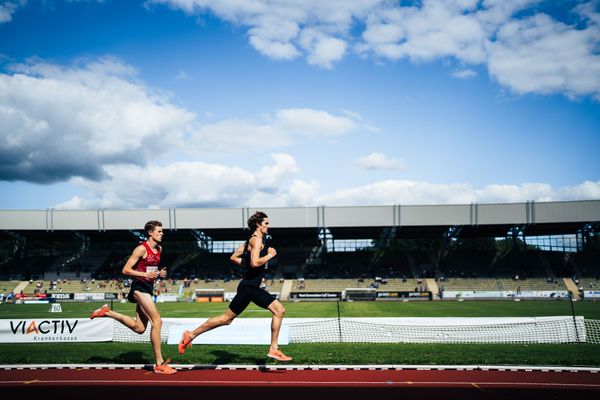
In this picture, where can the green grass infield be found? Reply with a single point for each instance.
(580, 354)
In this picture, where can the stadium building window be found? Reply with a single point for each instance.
(564, 243)
(225, 246)
(349, 245)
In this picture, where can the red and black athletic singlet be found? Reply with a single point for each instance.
(148, 264)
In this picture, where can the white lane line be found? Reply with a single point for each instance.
(306, 383)
(233, 367)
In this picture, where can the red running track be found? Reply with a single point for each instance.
(310, 382)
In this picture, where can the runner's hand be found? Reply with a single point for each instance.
(152, 274)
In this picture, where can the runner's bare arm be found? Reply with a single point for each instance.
(138, 252)
(255, 259)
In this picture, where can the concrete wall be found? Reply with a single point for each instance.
(300, 217)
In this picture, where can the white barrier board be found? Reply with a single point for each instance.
(53, 330)
(241, 331)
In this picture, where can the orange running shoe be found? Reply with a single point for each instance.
(278, 355)
(101, 312)
(165, 368)
(185, 342)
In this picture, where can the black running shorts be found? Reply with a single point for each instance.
(143, 287)
(246, 294)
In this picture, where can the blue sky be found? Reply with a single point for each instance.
(191, 103)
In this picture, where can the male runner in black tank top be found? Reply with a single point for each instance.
(253, 255)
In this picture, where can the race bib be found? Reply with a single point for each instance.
(152, 268)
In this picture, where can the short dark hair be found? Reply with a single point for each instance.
(256, 219)
(151, 226)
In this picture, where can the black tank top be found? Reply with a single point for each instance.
(253, 276)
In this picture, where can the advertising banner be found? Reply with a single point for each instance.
(166, 298)
(30, 296)
(316, 295)
(89, 296)
(405, 295)
(53, 330)
(61, 296)
(510, 294)
(591, 294)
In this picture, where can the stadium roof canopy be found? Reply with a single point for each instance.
(352, 222)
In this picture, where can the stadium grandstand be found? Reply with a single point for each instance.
(437, 252)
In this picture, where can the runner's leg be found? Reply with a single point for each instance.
(150, 312)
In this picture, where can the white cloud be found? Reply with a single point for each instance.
(303, 193)
(323, 50)
(284, 29)
(299, 194)
(380, 161)
(586, 190)
(198, 184)
(535, 54)
(540, 55)
(309, 122)
(514, 193)
(274, 36)
(399, 192)
(181, 75)
(274, 49)
(283, 128)
(437, 29)
(96, 120)
(8, 8)
(185, 184)
(419, 192)
(524, 49)
(269, 177)
(464, 73)
(235, 136)
(62, 122)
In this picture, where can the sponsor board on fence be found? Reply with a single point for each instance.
(228, 296)
(316, 295)
(166, 298)
(53, 330)
(89, 296)
(592, 294)
(486, 294)
(404, 295)
(541, 293)
(83, 296)
(30, 296)
(61, 296)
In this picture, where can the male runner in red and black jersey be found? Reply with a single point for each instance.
(254, 255)
(143, 266)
